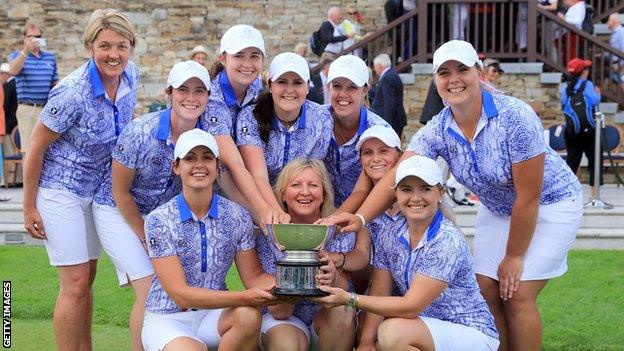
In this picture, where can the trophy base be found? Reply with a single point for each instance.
(299, 292)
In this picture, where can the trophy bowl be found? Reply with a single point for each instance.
(297, 270)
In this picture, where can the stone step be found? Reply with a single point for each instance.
(586, 239)
(592, 219)
(11, 213)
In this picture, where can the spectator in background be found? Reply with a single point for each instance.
(551, 28)
(319, 90)
(35, 74)
(332, 33)
(574, 15)
(580, 128)
(617, 41)
(199, 54)
(301, 49)
(3, 196)
(387, 99)
(162, 101)
(10, 106)
(353, 24)
(491, 71)
(393, 9)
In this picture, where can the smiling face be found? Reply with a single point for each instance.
(304, 196)
(189, 101)
(418, 200)
(289, 93)
(377, 158)
(111, 52)
(197, 169)
(457, 83)
(243, 67)
(346, 97)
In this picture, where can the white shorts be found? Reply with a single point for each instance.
(68, 224)
(448, 336)
(269, 322)
(159, 329)
(121, 244)
(546, 257)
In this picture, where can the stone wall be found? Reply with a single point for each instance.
(168, 30)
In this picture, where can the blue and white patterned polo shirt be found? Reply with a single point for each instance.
(205, 247)
(34, 81)
(343, 162)
(88, 123)
(269, 255)
(309, 137)
(441, 254)
(378, 225)
(508, 132)
(223, 107)
(145, 146)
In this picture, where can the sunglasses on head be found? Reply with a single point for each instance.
(34, 36)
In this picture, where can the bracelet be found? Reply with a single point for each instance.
(344, 260)
(353, 301)
(358, 215)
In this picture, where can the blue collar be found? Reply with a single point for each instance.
(96, 81)
(228, 91)
(302, 117)
(363, 121)
(432, 230)
(164, 125)
(185, 210)
(489, 107)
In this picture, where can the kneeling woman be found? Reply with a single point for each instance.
(192, 241)
(426, 256)
(305, 192)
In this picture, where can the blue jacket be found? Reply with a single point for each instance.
(592, 99)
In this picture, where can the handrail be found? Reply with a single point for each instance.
(603, 16)
(581, 33)
(371, 37)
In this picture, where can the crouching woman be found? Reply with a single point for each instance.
(193, 240)
(427, 258)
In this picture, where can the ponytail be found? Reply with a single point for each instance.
(215, 69)
(264, 112)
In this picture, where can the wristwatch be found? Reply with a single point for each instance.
(353, 300)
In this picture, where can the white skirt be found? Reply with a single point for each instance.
(555, 231)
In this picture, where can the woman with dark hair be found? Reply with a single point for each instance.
(580, 127)
(283, 125)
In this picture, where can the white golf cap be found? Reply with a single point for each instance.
(4, 68)
(239, 37)
(185, 70)
(421, 167)
(351, 67)
(387, 136)
(289, 62)
(455, 50)
(192, 138)
(198, 49)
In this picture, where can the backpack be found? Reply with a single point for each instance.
(588, 24)
(316, 44)
(575, 124)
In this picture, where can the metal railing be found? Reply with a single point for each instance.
(508, 30)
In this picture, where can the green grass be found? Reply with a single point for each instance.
(583, 310)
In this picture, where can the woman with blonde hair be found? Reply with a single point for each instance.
(304, 190)
(68, 166)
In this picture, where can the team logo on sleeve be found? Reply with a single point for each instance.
(120, 148)
(245, 130)
(213, 119)
(53, 110)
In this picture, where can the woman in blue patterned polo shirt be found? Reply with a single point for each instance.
(424, 254)
(304, 190)
(283, 125)
(235, 86)
(193, 240)
(69, 157)
(348, 85)
(532, 202)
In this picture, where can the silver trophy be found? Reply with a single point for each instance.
(297, 270)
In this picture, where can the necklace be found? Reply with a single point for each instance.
(288, 124)
(342, 137)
